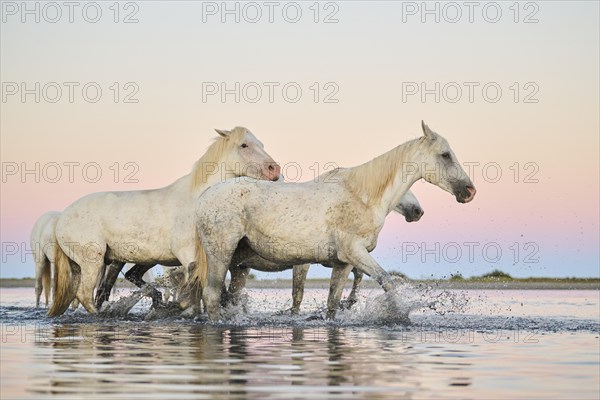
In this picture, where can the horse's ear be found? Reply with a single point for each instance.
(223, 132)
(429, 134)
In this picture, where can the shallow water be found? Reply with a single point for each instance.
(459, 344)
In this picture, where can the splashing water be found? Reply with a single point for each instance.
(122, 306)
(394, 306)
(374, 307)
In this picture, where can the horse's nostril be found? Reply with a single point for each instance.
(271, 168)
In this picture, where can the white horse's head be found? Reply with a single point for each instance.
(409, 207)
(246, 155)
(440, 166)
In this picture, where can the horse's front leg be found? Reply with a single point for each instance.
(353, 296)
(300, 272)
(339, 274)
(135, 276)
(358, 256)
(110, 277)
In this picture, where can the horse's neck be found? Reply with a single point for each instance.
(381, 182)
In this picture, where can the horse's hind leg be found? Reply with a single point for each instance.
(177, 279)
(211, 293)
(218, 259)
(168, 293)
(169, 285)
(108, 282)
(339, 274)
(353, 296)
(40, 265)
(239, 276)
(90, 274)
(226, 294)
(135, 274)
(300, 272)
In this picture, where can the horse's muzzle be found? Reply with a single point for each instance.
(466, 194)
(414, 215)
(273, 172)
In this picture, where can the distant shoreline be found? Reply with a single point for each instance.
(475, 284)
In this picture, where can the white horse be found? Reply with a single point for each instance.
(334, 221)
(409, 207)
(174, 278)
(43, 244)
(146, 227)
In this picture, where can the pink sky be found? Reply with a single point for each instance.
(369, 56)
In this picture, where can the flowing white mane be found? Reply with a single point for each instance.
(373, 177)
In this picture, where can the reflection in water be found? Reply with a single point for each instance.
(543, 352)
(116, 360)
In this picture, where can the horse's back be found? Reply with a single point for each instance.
(121, 221)
(112, 210)
(44, 227)
(273, 215)
(42, 237)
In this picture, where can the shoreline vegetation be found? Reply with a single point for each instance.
(495, 280)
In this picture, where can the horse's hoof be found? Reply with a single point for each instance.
(286, 311)
(226, 301)
(158, 304)
(156, 300)
(201, 318)
(315, 317)
(347, 304)
(188, 312)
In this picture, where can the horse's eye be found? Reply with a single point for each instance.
(244, 145)
(446, 155)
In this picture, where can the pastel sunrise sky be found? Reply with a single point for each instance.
(367, 76)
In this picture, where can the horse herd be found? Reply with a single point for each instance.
(212, 221)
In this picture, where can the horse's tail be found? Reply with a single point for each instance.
(66, 283)
(46, 279)
(200, 273)
(197, 281)
(201, 270)
(191, 291)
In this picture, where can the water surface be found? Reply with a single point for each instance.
(470, 345)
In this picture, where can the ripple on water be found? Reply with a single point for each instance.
(458, 344)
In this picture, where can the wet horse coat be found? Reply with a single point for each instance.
(334, 221)
(146, 227)
(409, 207)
